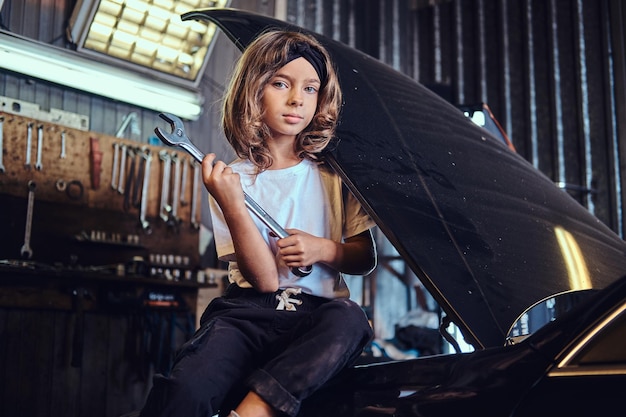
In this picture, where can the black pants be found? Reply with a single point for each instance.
(244, 343)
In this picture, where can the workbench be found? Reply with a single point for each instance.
(99, 302)
(82, 342)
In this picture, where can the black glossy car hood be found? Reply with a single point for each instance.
(485, 232)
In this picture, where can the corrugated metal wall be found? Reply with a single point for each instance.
(550, 70)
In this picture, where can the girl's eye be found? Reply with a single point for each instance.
(310, 89)
(279, 84)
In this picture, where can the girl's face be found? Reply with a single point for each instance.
(290, 99)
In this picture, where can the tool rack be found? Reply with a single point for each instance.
(79, 216)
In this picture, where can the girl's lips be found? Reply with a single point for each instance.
(292, 117)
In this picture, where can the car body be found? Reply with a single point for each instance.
(572, 366)
(488, 235)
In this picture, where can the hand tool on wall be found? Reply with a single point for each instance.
(138, 182)
(115, 165)
(130, 177)
(176, 190)
(29, 139)
(1, 144)
(194, 194)
(184, 181)
(178, 138)
(165, 209)
(120, 184)
(26, 251)
(63, 154)
(147, 155)
(60, 185)
(38, 165)
(75, 190)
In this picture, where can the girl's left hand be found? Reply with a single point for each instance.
(300, 248)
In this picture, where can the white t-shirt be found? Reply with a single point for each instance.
(307, 197)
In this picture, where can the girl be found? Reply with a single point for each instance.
(275, 337)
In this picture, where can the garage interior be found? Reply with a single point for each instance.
(98, 288)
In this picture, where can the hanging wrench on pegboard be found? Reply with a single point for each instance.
(29, 140)
(26, 251)
(38, 164)
(145, 225)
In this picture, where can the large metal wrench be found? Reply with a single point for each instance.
(178, 137)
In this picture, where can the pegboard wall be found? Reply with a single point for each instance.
(95, 189)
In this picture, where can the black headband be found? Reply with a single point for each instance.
(313, 56)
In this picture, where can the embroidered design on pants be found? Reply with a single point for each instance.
(285, 302)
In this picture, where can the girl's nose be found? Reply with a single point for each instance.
(295, 99)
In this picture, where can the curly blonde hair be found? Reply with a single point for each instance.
(242, 113)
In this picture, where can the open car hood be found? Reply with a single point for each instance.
(486, 233)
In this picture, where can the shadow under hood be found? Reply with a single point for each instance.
(485, 232)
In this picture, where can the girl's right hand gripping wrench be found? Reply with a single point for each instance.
(179, 138)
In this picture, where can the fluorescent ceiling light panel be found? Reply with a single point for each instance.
(148, 34)
(67, 68)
